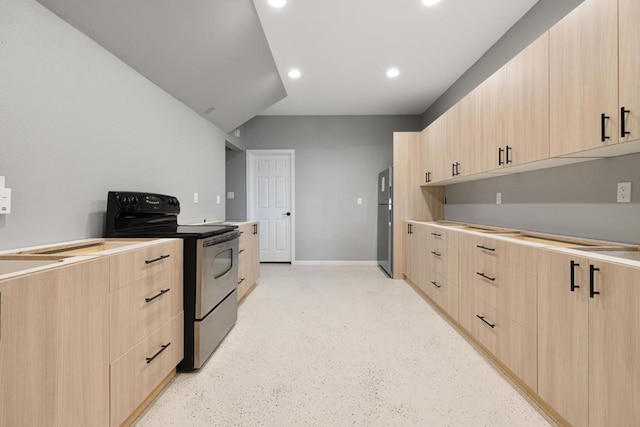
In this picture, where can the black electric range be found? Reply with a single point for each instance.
(210, 265)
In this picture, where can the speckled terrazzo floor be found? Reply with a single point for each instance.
(336, 346)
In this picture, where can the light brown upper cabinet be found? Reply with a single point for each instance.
(583, 78)
(436, 152)
(525, 100)
(629, 63)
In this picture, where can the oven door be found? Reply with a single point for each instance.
(217, 273)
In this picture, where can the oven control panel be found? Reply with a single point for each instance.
(132, 202)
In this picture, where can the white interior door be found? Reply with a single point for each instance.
(270, 201)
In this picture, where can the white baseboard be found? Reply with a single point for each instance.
(355, 263)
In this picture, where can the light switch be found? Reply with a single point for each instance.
(231, 195)
(218, 199)
(195, 198)
(498, 198)
(359, 200)
(5, 201)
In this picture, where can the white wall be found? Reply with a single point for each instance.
(76, 122)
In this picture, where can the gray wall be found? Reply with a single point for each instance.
(236, 180)
(337, 160)
(576, 200)
(76, 122)
(542, 16)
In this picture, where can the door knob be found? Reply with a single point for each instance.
(287, 214)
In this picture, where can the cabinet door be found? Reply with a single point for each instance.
(54, 347)
(526, 93)
(563, 336)
(253, 254)
(583, 78)
(438, 149)
(427, 158)
(614, 343)
(491, 123)
(629, 63)
(407, 243)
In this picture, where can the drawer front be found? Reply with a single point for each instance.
(142, 307)
(137, 264)
(486, 327)
(134, 376)
(243, 283)
(518, 350)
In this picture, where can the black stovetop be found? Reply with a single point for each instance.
(179, 231)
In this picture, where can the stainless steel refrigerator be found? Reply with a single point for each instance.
(385, 221)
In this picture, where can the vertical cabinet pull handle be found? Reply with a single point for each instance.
(592, 281)
(491, 325)
(500, 150)
(508, 150)
(573, 275)
(426, 177)
(623, 115)
(603, 122)
(255, 228)
(453, 169)
(457, 168)
(162, 348)
(409, 229)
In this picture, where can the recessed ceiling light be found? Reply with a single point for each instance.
(277, 3)
(392, 72)
(294, 74)
(430, 2)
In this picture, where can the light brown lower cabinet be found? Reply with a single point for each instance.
(589, 339)
(139, 371)
(440, 258)
(248, 256)
(54, 347)
(498, 299)
(84, 344)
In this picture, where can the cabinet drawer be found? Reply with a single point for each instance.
(486, 326)
(136, 374)
(137, 264)
(142, 307)
(518, 350)
(242, 258)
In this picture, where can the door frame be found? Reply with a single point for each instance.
(252, 154)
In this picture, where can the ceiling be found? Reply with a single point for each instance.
(228, 59)
(211, 55)
(344, 47)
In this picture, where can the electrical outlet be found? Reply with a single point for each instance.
(359, 201)
(624, 192)
(195, 198)
(498, 198)
(230, 195)
(218, 199)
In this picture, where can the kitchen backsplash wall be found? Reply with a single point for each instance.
(337, 160)
(76, 122)
(576, 200)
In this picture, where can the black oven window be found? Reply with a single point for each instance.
(222, 263)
